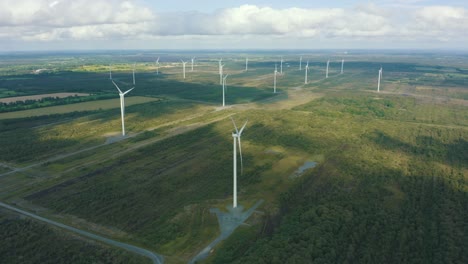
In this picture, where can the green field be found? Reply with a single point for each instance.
(390, 185)
(79, 107)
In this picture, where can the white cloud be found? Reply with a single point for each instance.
(67, 20)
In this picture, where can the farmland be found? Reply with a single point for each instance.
(390, 185)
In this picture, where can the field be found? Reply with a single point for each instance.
(390, 185)
(79, 107)
(39, 96)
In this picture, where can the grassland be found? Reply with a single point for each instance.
(38, 97)
(390, 185)
(79, 107)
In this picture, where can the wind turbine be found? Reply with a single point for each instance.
(224, 87)
(193, 59)
(157, 63)
(281, 66)
(110, 72)
(342, 65)
(328, 63)
(237, 137)
(300, 63)
(220, 71)
(134, 73)
(183, 65)
(274, 80)
(306, 71)
(221, 67)
(122, 105)
(380, 77)
(246, 63)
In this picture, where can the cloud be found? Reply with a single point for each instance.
(52, 20)
(67, 13)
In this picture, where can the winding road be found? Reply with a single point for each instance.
(157, 259)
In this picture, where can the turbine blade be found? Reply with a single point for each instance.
(242, 129)
(237, 131)
(240, 153)
(128, 91)
(116, 86)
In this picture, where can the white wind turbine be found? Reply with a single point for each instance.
(328, 63)
(281, 66)
(134, 73)
(193, 59)
(306, 71)
(220, 71)
(342, 65)
(157, 65)
(183, 66)
(246, 63)
(221, 68)
(300, 63)
(224, 90)
(110, 72)
(237, 137)
(380, 77)
(274, 80)
(122, 105)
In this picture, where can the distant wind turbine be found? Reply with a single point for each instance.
(193, 59)
(380, 77)
(342, 65)
(110, 72)
(306, 71)
(183, 66)
(237, 137)
(157, 65)
(328, 63)
(122, 105)
(134, 73)
(246, 63)
(281, 65)
(274, 80)
(220, 71)
(300, 63)
(224, 90)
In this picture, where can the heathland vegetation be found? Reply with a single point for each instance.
(390, 185)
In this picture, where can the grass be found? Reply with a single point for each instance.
(158, 186)
(79, 107)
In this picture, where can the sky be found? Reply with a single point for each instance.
(231, 24)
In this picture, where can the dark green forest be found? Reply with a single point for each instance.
(28, 242)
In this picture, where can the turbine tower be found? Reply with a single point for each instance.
(306, 71)
(224, 89)
(328, 63)
(122, 105)
(134, 73)
(183, 66)
(246, 63)
(342, 65)
(157, 65)
(380, 77)
(237, 137)
(281, 66)
(274, 80)
(221, 67)
(300, 63)
(193, 59)
(220, 71)
(110, 72)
